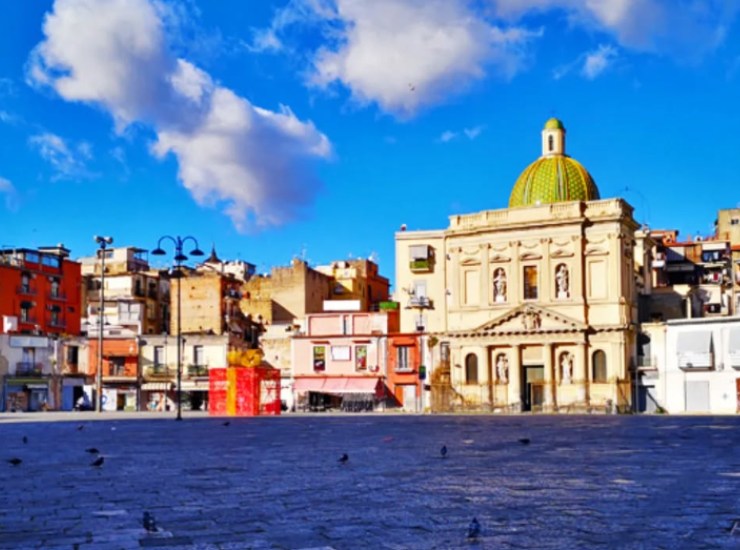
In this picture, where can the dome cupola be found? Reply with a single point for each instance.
(554, 177)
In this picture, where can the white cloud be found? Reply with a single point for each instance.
(470, 133)
(402, 55)
(684, 28)
(598, 61)
(67, 161)
(114, 54)
(11, 195)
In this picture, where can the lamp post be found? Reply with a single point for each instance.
(179, 258)
(103, 243)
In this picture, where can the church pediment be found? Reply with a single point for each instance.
(530, 318)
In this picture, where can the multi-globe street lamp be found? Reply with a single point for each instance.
(103, 243)
(177, 274)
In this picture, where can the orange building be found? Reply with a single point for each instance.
(39, 291)
(120, 372)
(404, 364)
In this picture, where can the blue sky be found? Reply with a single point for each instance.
(315, 128)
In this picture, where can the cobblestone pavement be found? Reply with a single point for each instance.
(582, 482)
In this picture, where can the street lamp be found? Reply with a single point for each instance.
(179, 258)
(103, 243)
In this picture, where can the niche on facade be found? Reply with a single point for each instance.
(499, 285)
(565, 364)
(562, 282)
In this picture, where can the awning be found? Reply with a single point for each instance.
(735, 340)
(194, 385)
(694, 342)
(338, 385)
(156, 386)
(695, 349)
(37, 387)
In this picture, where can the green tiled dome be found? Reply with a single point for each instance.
(550, 179)
(554, 124)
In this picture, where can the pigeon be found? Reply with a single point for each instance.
(98, 461)
(524, 441)
(343, 459)
(473, 529)
(80, 427)
(25, 439)
(443, 451)
(92, 451)
(149, 523)
(15, 461)
(227, 423)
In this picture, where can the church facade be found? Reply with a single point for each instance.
(532, 307)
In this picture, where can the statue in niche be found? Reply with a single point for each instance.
(499, 285)
(561, 282)
(502, 369)
(566, 368)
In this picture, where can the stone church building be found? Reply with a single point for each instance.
(532, 307)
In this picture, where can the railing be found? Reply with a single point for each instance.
(420, 302)
(160, 371)
(25, 368)
(23, 289)
(421, 265)
(60, 296)
(58, 323)
(197, 370)
(27, 320)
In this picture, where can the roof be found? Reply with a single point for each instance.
(554, 124)
(551, 179)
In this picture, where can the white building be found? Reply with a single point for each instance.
(690, 366)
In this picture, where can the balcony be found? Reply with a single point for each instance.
(160, 371)
(25, 368)
(420, 302)
(27, 320)
(197, 370)
(26, 290)
(71, 369)
(421, 265)
(57, 323)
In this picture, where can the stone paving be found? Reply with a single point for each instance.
(582, 482)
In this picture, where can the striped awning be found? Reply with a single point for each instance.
(156, 386)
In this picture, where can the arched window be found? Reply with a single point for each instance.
(598, 366)
(471, 368)
(550, 143)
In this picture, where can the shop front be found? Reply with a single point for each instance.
(25, 394)
(345, 393)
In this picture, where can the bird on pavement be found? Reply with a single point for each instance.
(92, 451)
(149, 523)
(14, 461)
(25, 439)
(443, 451)
(343, 459)
(524, 441)
(98, 461)
(227, 423)
(473, 529)
(80, 427)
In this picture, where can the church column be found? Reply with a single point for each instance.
(550, 401)
(581, 375)
(515, 379)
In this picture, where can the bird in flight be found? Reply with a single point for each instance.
(15, 461)
(343, 459)
(443, 451)
(98, 461)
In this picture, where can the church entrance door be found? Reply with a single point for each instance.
(533, 388)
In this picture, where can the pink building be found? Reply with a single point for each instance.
(341, 360)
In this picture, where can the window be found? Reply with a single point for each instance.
(550, 143)
(73, 355)
(158, 356)
(419, 252)
(55, 288)
(402, 358)
(346, 324)
(340, 353)
(319, 358)
(25, 283)
(735, 221)
(25, 314)
(118, 366)
(471, 369)
(360, 358)
(530, 282)
(55, 319)
(199, 358)
(598, 362)
(32, 257)
(51, 261)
